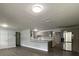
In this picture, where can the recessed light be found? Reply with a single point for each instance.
(37, 8)
(35, 29)
(4, 25)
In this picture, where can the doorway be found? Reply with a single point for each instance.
(17, 38)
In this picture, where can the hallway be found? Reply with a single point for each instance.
(23, 51)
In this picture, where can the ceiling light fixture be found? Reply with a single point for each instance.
(35, 30)
(4, 25)
(37, 8)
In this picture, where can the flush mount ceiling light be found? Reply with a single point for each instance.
(4, 25)
(37, 8)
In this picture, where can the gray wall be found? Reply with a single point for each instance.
(75, 46)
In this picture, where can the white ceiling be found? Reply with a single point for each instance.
(20, 16)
